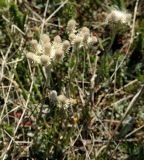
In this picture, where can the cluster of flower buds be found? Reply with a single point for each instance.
(119, 17)
(45, 51)
(61, 99)
(80, 38)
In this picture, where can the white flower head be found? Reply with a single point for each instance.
(72, 36)
(71, 26)
(33, 57)
(66, 45)
(56, 51)
(92, 40)
(57, 39)
(45, 60)
(45, 38)
(36, 46)
(117, 16)
(59, 54)
(47, 48)
(78, 41)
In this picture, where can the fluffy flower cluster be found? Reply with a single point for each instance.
(120, 17)
(45, 51)
(61, 100)
(80, 38)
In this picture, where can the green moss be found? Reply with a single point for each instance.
(17, 16)
(3, 4)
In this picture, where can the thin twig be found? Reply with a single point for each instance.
(56, 11)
